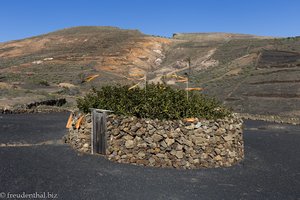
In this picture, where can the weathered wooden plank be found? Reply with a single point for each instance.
(102, 134)
(98, 138)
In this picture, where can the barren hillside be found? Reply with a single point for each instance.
(252, 74)
(59, 63)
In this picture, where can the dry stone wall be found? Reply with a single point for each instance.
(176, 144)
(80, 138)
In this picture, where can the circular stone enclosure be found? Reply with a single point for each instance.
(167, 143)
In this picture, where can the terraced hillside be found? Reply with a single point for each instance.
(258, 77)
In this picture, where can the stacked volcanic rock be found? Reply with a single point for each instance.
(45, 106)
(176, 144)
(80, 138)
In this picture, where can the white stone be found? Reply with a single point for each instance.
(86, 145)
(198, 125)
(46, 59)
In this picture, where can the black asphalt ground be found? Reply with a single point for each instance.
(271, 169)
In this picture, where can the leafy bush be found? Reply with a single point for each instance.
(158, 101)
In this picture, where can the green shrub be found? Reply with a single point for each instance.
(158, 101)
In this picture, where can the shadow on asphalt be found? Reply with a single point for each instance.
(271, 169)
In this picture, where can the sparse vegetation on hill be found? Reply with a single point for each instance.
(251, 74)
(156, 101)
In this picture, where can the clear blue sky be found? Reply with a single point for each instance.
(24, 18)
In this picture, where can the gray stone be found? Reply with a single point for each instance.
(141, 155)
(190, 127)
(169, 141)
(179, 154)
(141, 131)
(149, 140)
(228, 138)
(150, 127)
(179, 147)
(178, 130)
(220, 131)
(174, 134)
(139, 125)
(217, 151)
(134, 128)
(163, 144)
(218, 158)
(187, 165)
(138, 139)
(166, 127)
(142, 145)
(82, 136)
(161, 132)
(204, 156)
(128, 137)
(161, 155)
(199, 140)
(232, 154)
(151, 160)
(88, 125)
(196, 161)
(173, 152)
(152, 145)
(157, 138)
(129, 144)
(208, 131)
(152, 131)
(115, 132)
(187, 142)
(126, 129)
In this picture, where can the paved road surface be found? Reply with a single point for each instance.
(35, 161)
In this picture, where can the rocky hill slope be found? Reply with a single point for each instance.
(60, 63)
(252, 74)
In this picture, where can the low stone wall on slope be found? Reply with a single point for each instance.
(176, 144)
(44, 106)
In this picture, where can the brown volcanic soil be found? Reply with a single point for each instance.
(251, 74)
(103, 48)
(38, 65)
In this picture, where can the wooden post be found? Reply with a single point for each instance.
(98, 136)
